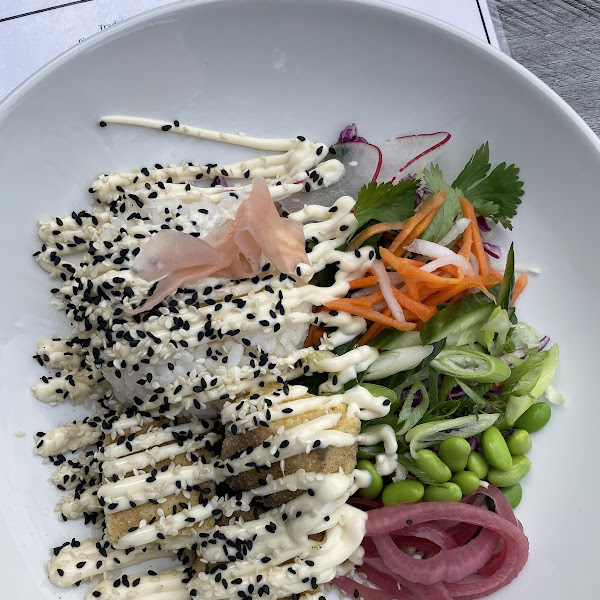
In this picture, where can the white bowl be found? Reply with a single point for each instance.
(277, 68)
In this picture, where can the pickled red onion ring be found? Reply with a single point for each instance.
(480, 551)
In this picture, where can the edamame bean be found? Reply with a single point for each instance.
(454, 451)
(520, 467)
(519, 443)
(513, 494)
(431, 463)
(467, 481)
(535, 417)
(376, 485)
(495, 450)
(402, 492)
(477, 464)
(448, 492)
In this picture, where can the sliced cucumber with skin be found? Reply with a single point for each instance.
(459, 317)
(394, 361)
(392, 339)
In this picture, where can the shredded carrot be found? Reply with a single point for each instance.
(416, 232)
(520, 284)
(497, 275)
(363, 282)
(409, 271)
(351, 307)
(369, 300)
(372, 332)
(315, 333)
(467, 241)
(364, 235)
(414, 262)
(432, 205)
(412, 290)
(480, 281)
(478, 251)
(421, 311)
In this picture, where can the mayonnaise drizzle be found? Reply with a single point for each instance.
(215, 342)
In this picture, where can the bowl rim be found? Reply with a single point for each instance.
(137, 21)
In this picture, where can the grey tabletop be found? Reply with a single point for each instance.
(559, 41)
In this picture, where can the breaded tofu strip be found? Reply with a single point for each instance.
(179, 442)
(315, 460)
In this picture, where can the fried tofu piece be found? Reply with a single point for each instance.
(118, 524)
(320, 460)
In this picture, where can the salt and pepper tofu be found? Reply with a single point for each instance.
(188, 448)
(318, 460)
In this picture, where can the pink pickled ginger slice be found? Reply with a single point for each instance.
(261, 228)
(232, 251)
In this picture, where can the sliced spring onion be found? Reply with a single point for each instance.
(410, 414)
(396, 361)
(508, 281)
(380, 390)
(470, 365)
(528, 381)
(554, 396)
(428, 434)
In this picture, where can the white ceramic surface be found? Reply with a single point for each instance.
(281, 68)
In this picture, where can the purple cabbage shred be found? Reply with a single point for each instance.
(543, 343)
(483, 224)
(492, 249)
(350, 134)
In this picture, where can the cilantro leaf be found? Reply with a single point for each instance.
(502, 187)
(475, 170)
(450, 209)
(496, 194)
(434, 179)
(386, 202)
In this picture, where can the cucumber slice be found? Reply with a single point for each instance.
(457, 318)
(392, 339)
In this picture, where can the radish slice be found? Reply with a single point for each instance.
(361, 161)
(444, 256)
(409, 154)
(386, 289)
(457, 230)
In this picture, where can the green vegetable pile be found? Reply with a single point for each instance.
(467, 390)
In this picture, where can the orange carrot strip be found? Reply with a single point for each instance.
(363, 282)
(433, 204)
(477, 248)
(520, 284)
(409, 271)
(360, 311)
(372, 332)
(414, 262)
(369, 300)
(315, 333)
(467, 241)
(497, 275)
(416, 232)
(481, 282)
(364, 235)
(449, 269)
(421, 311)
(412, 290)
